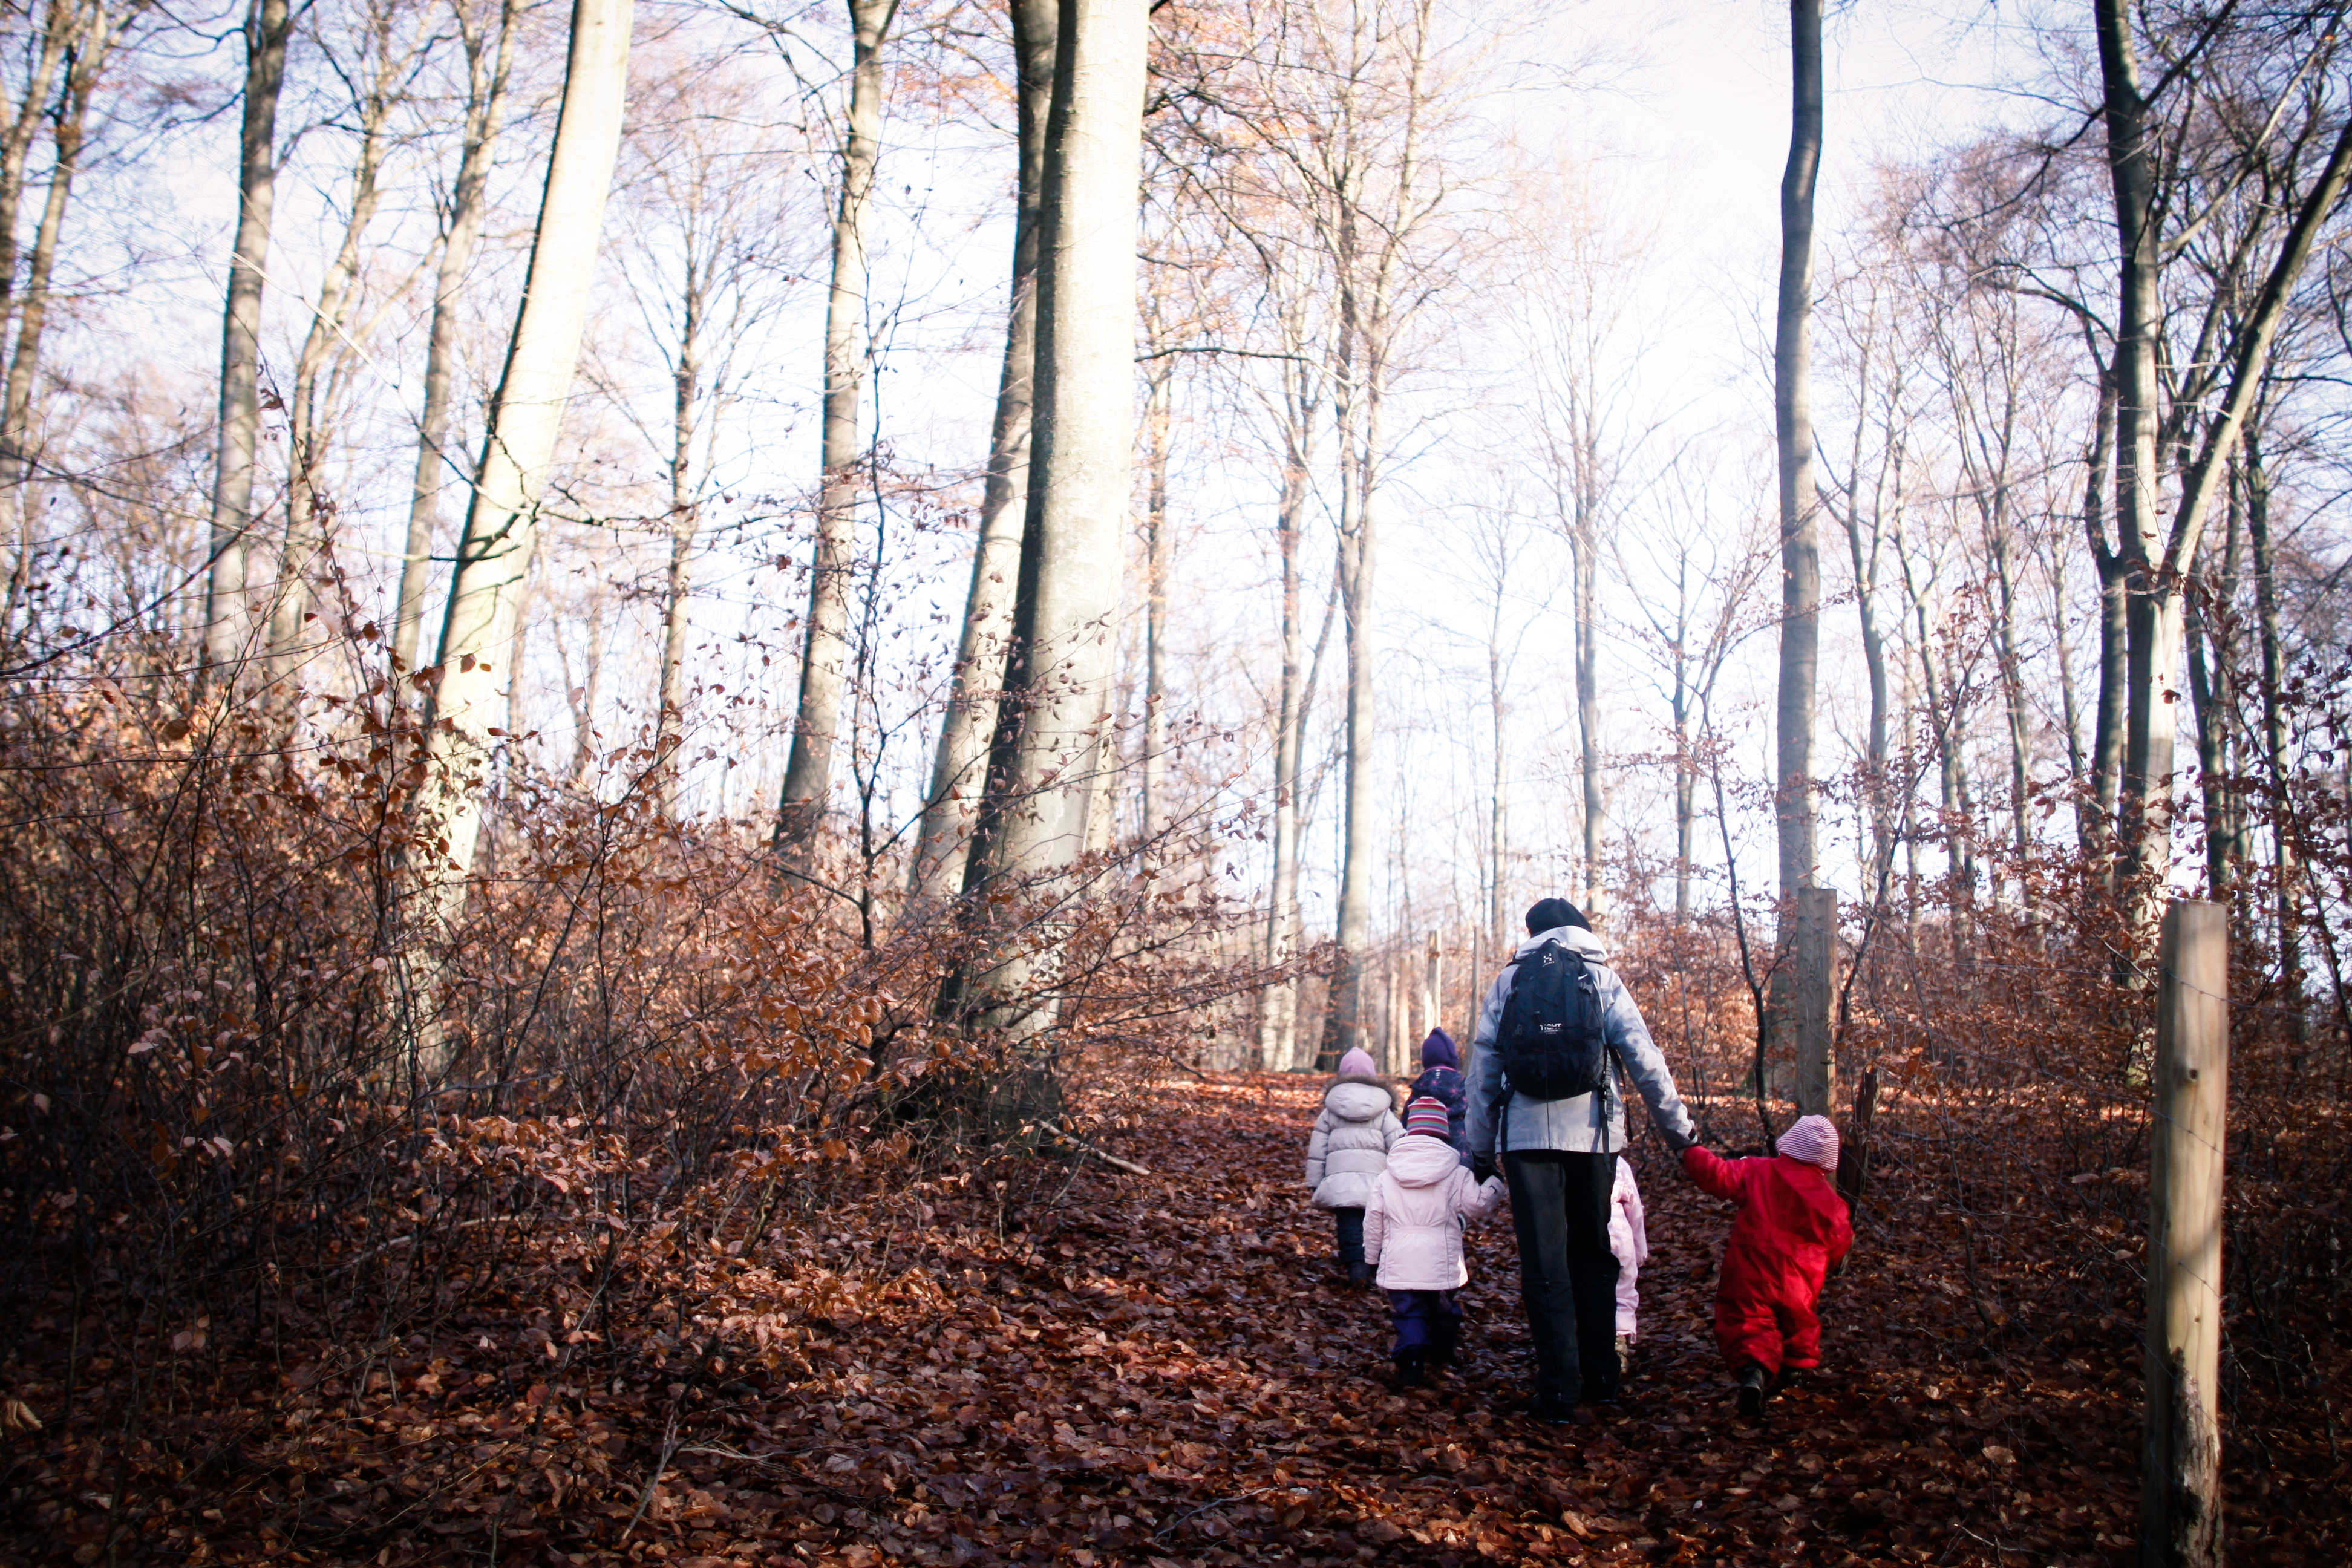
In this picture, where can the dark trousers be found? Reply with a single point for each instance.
(1351, 1233)
(1568, 1276)
(1429, 1321)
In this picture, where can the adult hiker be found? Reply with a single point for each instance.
(1557, 1033)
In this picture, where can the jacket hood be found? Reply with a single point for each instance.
(1356, 1098)
(1437, 1051)
(1359, 1062)
(1420, 1161)
(1576, 939)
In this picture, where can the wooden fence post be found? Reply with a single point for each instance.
(1816, 957)
(2180, 1466)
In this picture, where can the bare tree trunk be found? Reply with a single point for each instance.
(1800, 566)
(2214, 699)
(1585, 555)
(1158, 552)
(61, 28)
(1278, 1031)
(305, 444)
(1048, 744)
(2153, 620)
(2132, 175)
(1876, 781)
(2275, 739)
(1498, 821)
(96, 43)
(2012, 688)
(685, 522)
(968, 724)
(526, 417)
(1358, 558)
(227, 616)
(486, 100)
(824, 652)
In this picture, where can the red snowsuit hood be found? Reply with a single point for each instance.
(1791, 1227)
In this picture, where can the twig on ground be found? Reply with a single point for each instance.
(1129, 1166)
(1181, 1520)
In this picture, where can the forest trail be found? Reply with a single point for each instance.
(1165, 1372)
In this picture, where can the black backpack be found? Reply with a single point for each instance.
(1551, 1037)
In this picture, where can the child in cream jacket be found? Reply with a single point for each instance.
(1413, 1234)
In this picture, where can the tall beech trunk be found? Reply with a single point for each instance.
(1047, 749)
(519, 447)
(1584, 549)
(2286, 910)
(1159, 558)
(684, 524)
(1302, 399)
(488, 64)
(96, 42)
(227, 615)
(2156, 563)
(824, 649)
(61, 26)
(1793, 808)
(968, 724)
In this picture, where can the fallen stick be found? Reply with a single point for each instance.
(1129, 1166)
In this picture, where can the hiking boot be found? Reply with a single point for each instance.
(1448, 1345)
(1752, 1392)
(1411, 1371)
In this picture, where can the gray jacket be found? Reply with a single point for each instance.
(1590, 1123)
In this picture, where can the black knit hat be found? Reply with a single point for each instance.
(1550, 912)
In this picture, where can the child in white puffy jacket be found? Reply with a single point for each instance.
(1412, 1233)
(1348, 1151)
(1629, 1239)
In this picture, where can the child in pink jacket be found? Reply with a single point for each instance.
(1412, 1232)
(1629, 1240)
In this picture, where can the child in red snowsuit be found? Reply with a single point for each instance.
(1791, 1227)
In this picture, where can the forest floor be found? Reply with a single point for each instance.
(1164, 1370)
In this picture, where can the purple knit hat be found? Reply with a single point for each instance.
(1426, 1117)
(1437, 1051)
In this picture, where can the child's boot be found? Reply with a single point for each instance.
(1448, 1332)
(1752, 1392)
(1411, 1371)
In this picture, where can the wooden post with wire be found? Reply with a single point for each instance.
(2181, 1468)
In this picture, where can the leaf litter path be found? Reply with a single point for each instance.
(1166, 1372)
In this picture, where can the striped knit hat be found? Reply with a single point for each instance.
(1427, 1118)
(1813, 1139)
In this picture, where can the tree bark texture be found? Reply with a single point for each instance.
(684, 524)
(95, 44)
(1158, 548)
(1057, 699)
(526, 417)
(227, 615)
(1800, 566)
(2181, 1468)
(1278, 1027)
(824, 649)
(968, 723)
(487, 70)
